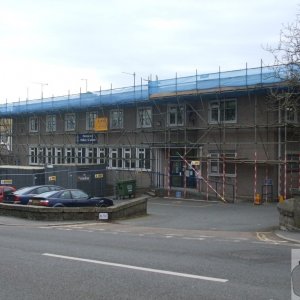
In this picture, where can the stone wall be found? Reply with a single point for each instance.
(289, 213)
(126, 209)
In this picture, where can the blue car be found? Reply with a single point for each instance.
(69, 198)
(22, 195)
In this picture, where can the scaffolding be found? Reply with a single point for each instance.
(271, 137)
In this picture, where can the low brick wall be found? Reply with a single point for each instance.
(126, 209)
(289, 214)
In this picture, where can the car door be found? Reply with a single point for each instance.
(79, 198)
(65, 198)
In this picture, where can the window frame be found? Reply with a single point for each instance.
(33, 124)
(288, 111)
(180, 109)
(50, 123)
(144, 117)
(215, 163)
(116, 119)
(90, 120)
(222, 112)
(70, 122)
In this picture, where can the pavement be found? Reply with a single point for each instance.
(292, 236)
(235, 215)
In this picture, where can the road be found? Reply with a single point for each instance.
(182, 250)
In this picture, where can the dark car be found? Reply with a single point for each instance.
(5, 191)
(69, 198)
(21, 196)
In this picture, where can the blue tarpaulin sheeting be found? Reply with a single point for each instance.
(246, 78)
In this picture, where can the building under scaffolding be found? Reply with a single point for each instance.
(210, 135)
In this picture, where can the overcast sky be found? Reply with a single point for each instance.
(54, 44)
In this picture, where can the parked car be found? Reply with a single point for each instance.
(22, 195)
(5, 191)
(69, 198)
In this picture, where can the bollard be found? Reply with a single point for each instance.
(280, 198)
(257, 199)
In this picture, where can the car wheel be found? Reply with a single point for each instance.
(100, 204)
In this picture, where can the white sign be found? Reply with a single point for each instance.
(195, 163)
(103, 216)
(6, 181)
(295, 274)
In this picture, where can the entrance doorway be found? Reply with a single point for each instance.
(182, 174)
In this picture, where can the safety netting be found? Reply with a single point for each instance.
(245, 78)
(257, 77)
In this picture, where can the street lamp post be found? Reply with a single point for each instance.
(42, 84)
(86, 81)
(132, 74)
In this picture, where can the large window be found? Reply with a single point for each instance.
(222, 163)
(90, 120)
(116, 119)
(290, 115)
(33, 124)
(175, 115)
(144, 117)
(117, 158)
(50, 123)
(70, 122)
(222, 111)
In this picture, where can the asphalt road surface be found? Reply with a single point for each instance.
(181, 250)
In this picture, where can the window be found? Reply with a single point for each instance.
(290, 115)
(222, 111)
(90, 120)
(92, 155)
(116, 119)
(59, 155)
(129, 158)
(144, 117)
(115, 156)
(143, 155)
(176, 115)
(70, 155)
(102, 156)
(70, 122)
(81, 155)
(293, 162)
(33, 124)
(222, 163)
(50, 123)
(41, 155)
(33, 155)
(50, 156)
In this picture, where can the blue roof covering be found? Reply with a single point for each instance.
(204, 83)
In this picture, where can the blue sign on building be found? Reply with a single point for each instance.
(86, 138)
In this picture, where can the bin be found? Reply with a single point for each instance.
(126, 188)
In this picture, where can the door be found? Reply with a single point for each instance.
(176, 173)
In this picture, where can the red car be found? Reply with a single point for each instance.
(4, 191)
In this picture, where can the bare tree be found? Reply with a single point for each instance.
(287, 69)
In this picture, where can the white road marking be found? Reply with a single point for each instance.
(194, 238)
(137, 268)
